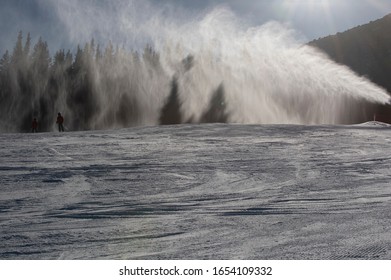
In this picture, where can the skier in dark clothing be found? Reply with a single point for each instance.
(60, 121)
(34, 126)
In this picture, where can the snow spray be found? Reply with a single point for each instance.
(266, 75)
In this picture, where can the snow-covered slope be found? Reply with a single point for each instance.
(197, 192)
(375, 123)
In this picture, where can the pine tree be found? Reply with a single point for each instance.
(41, 58)
(27, 45)
(98, 54)
(170, 113)
(5, 62)
(68, 59)
(216, 113)
(17, 54)
(109, 55)
(4, 81)
(59, 59)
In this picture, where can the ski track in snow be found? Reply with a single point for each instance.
(197, 192)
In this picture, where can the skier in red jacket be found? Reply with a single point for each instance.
(34, 125)
(60, 121)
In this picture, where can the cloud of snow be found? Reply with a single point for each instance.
(267, 74)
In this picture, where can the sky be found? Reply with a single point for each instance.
(66, 23)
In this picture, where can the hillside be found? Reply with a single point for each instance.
(366, 49)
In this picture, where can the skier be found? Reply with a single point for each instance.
(34, 126)
(60, 121)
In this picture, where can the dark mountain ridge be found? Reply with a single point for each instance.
(366, 49)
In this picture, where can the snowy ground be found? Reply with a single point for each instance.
(197, 192)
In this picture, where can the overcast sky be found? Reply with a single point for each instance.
(59, 21)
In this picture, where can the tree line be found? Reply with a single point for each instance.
(94, 88)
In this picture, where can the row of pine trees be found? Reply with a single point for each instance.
(34, 84)
(94, 88)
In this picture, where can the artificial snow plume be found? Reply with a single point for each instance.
(263, 74)
(268, 75)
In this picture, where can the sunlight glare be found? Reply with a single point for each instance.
(311, 10)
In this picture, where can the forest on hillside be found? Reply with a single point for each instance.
(95, 88)
(366, 49)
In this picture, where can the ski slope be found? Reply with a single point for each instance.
(198, 192)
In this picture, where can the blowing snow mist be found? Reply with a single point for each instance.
(210, 69)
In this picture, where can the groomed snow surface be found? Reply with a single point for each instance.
(198, 192)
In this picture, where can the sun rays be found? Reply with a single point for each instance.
(310, 11)
(332, 16)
